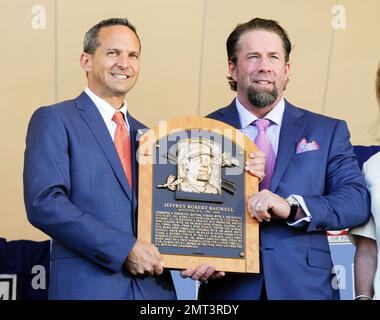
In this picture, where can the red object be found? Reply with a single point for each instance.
(123, 145)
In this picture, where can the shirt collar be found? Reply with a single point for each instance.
(275, 115)
(106, 110)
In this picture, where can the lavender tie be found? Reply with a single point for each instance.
(263, 143)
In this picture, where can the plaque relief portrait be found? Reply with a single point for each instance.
(199, 166)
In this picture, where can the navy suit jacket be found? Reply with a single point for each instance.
(75, 191)
(296, 262)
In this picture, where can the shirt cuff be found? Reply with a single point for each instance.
(302, 221)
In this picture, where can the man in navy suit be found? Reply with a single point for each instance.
(316, 184)
(76, 188)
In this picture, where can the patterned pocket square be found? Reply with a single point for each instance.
(304, 146)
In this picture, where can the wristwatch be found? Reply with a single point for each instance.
(294, 205)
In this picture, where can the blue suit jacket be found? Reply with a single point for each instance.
(296, 263)
(75, 190)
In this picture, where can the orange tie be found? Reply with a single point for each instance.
(123, 145)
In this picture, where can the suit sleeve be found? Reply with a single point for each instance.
(47, 192)
(345, 203)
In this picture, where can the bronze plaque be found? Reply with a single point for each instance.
(193, 194)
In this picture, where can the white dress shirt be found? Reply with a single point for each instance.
(107, 111)
(273, 133)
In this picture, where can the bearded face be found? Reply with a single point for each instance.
(260, 70)
(261, 98)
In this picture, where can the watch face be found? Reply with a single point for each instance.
(294, 204)
(292, 201)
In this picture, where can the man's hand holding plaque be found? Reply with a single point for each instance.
(144, 259)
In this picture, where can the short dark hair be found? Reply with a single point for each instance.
(91, 40)
(232, 43)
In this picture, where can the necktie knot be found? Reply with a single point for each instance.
(118, 117)
(262, 124)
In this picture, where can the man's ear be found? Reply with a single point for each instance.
(287, 73)
(86, 61)
(232, 69)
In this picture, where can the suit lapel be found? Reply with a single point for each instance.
(136, 130)
(94, 120)
(292, 128)
(230, 115)
(133, 132)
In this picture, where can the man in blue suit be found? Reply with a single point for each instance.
(81, 193)
(316, 184)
